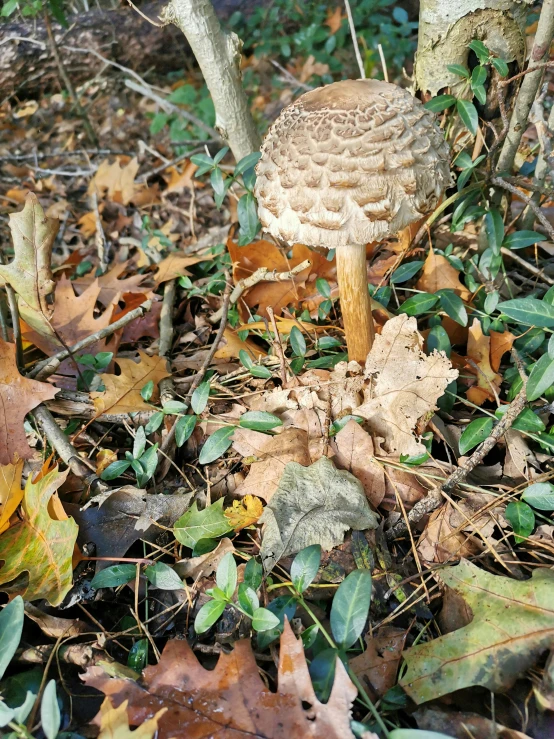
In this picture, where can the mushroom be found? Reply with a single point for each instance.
(344, 165)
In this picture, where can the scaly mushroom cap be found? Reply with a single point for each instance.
(350, 163)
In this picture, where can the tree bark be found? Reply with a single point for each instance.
(447, 26)
(218, 56)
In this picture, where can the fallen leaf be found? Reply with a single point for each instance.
(28, 108)
(462, 725)
(206, 564)
(268, 456)
(116, 181)
(311, 67)
(354, 451)
(334, 19)
(513, 624)
(312, 505)
(439, 274)
(478, 349)
(146, 325)
(285, 326)
(114, 723)
(38, 545)
(19, 395)
(499, 345)
(122, 393)
(180, 181)
(54, 626)
(377, 666)
(30, 272)
(244, 512)
(231, 345)
(406, 385)
(208, 523)
(11, 493)
(441, 542)
(87, 224)
(175, 266)
(232, 700)
(111, 287)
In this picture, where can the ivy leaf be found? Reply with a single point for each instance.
(521, 517)
(112, 577)
(453, 306)
(468, 113)
(521, 239)
(208, 615)
(304, 567)
(441, 102)
(476, 432)
(419, 303)
(248, 219)
(541, 377)
(540, 495)
(529, 311)
(350, 608)
(217, 444)
(259, 421)
(164, 577)
(405, 272)
(494, 229)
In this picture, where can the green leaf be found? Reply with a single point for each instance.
(304, 567)
(139, 442)
(416, 734)
(154, 423)
(11, 627)
(113, 576)
(174, 407)
(50, 711)
(9, 7)
(540, 378)
(258, 371)
(158, 123)
(494, 228)
(526, 421)
(248, 598)
(57, 11)
(438, 340)
(199, 398)
(458, 69)
(259, 421)
(149, 461)
(247, 162)
(540, 495)
(184, 428)
(521, 517)
(220, 154)
(138, 655)
(453, 306)
(206, 524)
(147, 391)
(350, 608)
(478, 77)
(218, 184)
(115, 469)
(226, 575)
(405, 272)
(323, 287)
(521, 239)
(264, 620)
(340, 423)
(468, 113)
(163, 576)
(217, 444)
(247, 213)
(550, 348)
(297, 342)
(480, 50)
(253, 573)
(491, 301)
(500, 66)
(480, 93)
(529, 311)
(246, 359)
(419, 303)
(441, 102)
(208, 615)
(476, 432)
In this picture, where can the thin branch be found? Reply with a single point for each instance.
(166, 319)
(527, 265)
(354, 38)
(501, 182)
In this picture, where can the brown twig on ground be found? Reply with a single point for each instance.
(527, 265)
(434, 498)
(501, 182)
(525, 71)
(162, 167)
(166, 319)
(260, 275)
(48, 366)
(278, 346)
(99, 237)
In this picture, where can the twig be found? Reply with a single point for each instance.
(525, 71)
(501, 182)
(434, 498)
(542, 167)
(260, 275)
(527, 265)
(166, 319)
(144, 177)
(290, 78)
(278, 346)
(100, 236)
(146, 18)
(48, 366)
(383, 62)
(354, 38)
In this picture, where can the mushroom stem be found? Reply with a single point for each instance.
(355, 301)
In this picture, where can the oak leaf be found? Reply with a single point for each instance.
(500, 344)
(122, 393)
(116, 181)
(18, 396)
(39, 545)
(180, 180)
(406, 385)
(114, 723)
(439, 274)
(334, 19)
(175, 265)
(513, 624)
(377, 666)
(30, 272)
(11, 493)
(243, 513)
(354, 451)
(232, 344)
(479, 351)
(111, 286)
(231, 701)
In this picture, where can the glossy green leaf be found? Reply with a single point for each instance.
(529, 311)
(480, 50)
(540, 495)
(112, 577)
(350, 608)
(259, 371)
(526, 421)
(11, 627)
(259, 421)
(164, 577)
(304, 567)
(115, 469)
(453, 306)
(50, 717)
(208, 615)
(199, 398)
(297, 342)
(541, 377)
(264, 620)
(476, 432)
(184, 428)
(226, 575)
(478, 77)
(154, 423)
(247, 598)
(521, 239)
(491, 301)
(438, 340)
(323, 287)
(458, 69)
(216, 445)
(405, 272)
(419, 303)
(247, 213)
(247, 162)
(139, 442)
(494, 229)
(174, 407)
(440, 102)
(138, 655)
(468, 113)
(500, 66)
(521, 518)
(253, 573)
(208, 523)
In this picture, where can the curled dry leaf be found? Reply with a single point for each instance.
(206, 564)
(313, 505)
(114, 723)
(377, 666)
(463, 724)
(439, 274)
(479, 350)
(231, 701)
(19, 395)
(38, 545)
(11, 493)
(500, 344)
(406, 385)
(122, 393)
(442, 542)
(54, 626)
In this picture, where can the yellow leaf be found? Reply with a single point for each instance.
(285, 326)
(244, 512)
(231, 345)
(175, 265)
(115, 181)
(114, 723)
(11, 493)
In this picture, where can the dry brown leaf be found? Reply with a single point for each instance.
(122, 393)
(478, 349)
(206, 564)
(244, 512)
(116, 181)
(314, 422)
(334, 19)
(440, 542)
(111, 287)
(175, 265)
(439, 274)
(18, 396)
(11, 493)
(114, 723)
(377, 666)
(404, 485)
(405, 387)
(354, 452)
(180, 180)
(500, 344)
(231, 345)
(54, 626)
(311, 67)
(87, 224)
(232, 701)
(270, 454)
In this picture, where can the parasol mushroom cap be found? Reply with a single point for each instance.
(350, 163)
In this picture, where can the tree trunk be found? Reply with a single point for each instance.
(447, 26)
